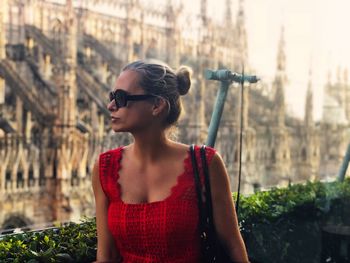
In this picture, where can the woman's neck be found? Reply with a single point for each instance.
(150, 146)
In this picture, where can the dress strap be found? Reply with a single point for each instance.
(108, 168)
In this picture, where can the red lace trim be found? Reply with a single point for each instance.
(112, 160)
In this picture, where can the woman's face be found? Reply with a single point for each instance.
(136, 115)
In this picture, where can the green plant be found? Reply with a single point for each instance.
(285, 225)
(68, 243)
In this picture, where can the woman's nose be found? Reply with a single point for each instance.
(111, 106)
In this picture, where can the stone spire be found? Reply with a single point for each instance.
(241, 38)
(203, 12)
(281, 56)
(280, 82)
(65, 74)
(241, 15)
(173, 34)
(228, 13)
(67, 79)
(130, 23)
(70, 49)
(66, 133)
(280, 105)
(3, 12)
(309, 103)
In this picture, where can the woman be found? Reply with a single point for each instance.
(146, 206)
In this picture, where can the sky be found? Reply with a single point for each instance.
(316, 38)
(315, 35)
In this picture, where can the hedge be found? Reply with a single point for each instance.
(279, 225)
(288, 225)
(68, 243)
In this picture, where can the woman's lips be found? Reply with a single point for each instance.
(114, 119)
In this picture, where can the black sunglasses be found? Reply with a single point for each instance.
(121, 98)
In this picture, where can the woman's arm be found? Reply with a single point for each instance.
(106, 251)
(225, 218)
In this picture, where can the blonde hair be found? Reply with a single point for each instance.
(159, 79)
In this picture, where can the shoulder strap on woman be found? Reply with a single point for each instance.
(208, 199)
(198, 187)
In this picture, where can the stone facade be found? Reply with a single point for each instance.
(59, 59)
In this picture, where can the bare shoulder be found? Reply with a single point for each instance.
(96, 166)
(218, 173)
(217, 161)
(95, 173)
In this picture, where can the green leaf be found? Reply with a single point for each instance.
(46, 239)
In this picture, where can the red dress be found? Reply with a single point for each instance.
(157, 232)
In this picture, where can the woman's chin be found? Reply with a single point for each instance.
(118, 128)
(115, 126)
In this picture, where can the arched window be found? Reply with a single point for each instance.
(42, 178)
(7, 179)
(74, 179)
(273, 156)
(303, 154)
(20, 179)
(31, 179)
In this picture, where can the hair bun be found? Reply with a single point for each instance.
(183, 76)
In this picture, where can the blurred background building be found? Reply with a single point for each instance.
(59, 59)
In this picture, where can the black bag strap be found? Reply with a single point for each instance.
(198, 188)
(217, 252)
(208, 200)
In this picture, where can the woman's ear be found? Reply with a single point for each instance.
(160, 105)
